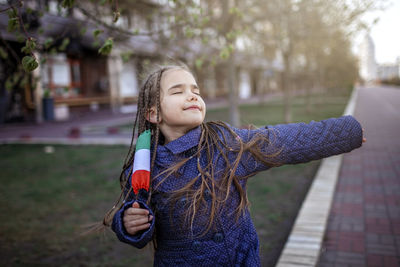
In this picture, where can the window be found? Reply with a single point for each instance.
(61, 75)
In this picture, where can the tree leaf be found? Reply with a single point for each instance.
(107, 47)
(96, 33)
(9, 84)
(83, 31)
(225, 53)
(64, 44)
(189, 33)
(13, 24)
(48, 42)
(12, 13)
(199, 63)
(116, 16)
(24, 81)
(20, 38)
(3, 53)
(126, 56)
(29, 63)
(236, 11)
(205, 21)
(96, 43)
(30, 46)
(43, 60)
(67, 3)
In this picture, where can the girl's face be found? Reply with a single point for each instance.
(182, 107)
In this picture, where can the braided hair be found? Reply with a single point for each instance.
(149, 96)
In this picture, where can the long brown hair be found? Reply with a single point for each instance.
(216, 139)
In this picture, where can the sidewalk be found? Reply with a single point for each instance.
(95, 128)
(364, 223)
(86, 128)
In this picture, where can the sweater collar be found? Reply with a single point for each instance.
(183, 143)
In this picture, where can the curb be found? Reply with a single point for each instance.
(303, 246)
(68, 141)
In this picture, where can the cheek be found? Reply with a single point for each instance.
(204, 107)
(170, 108)
(166, 104)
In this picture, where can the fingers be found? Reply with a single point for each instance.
(136, 211)
(364, 139)
(136, 219)
(135, 229)
(134, 226)
(137, 222)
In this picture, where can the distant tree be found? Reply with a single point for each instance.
(305, 34)
(199, 32)
(311, 37)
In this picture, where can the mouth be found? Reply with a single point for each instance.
(193, 108)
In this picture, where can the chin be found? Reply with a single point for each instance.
(195, 123)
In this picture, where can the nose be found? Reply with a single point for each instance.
(192, 97)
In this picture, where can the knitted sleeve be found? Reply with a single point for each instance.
(300, 142)
(141, 238)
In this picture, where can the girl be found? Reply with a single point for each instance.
(196, 211)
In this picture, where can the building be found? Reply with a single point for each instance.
(387, 72)
(367, 62)
(78, 79)
(71, 71)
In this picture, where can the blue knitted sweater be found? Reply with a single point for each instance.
(232, 242)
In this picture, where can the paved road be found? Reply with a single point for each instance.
(364, 223)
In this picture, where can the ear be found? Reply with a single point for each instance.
(151, 116)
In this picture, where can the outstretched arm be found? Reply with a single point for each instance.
(301, 142)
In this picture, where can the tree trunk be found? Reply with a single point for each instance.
(38, 93)
(309, 88)
(287, 101)
(234, 114)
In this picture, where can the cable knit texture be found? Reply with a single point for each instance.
(230, 242)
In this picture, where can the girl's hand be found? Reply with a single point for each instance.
(136, 219)
(364, 139)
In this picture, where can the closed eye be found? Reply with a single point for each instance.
(196, 91)
(176, 91)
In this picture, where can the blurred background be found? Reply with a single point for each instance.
(70, 72)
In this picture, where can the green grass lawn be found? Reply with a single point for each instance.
(272, 112)
(47, 198)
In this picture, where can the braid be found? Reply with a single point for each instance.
(157, 126)
(157, 131)
(145, 105)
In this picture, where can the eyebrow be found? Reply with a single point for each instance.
(181, 84)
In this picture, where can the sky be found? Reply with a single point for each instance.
(386, 34)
